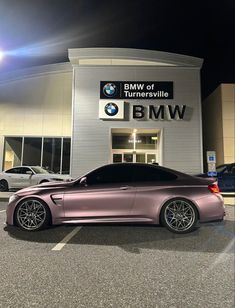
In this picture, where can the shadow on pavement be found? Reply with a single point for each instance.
(211, 237)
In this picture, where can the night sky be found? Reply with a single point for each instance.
(35, 32)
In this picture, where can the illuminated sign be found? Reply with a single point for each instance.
(136, 90)
(115, 110)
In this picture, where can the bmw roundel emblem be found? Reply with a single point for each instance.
(109, 89)
(111, 109)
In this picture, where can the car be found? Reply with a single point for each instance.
(120, 193)
(24, 176)
(225, 177)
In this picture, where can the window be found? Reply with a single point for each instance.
(66, 156)
(32, 151)
(12, 152)
(14, 170)
(142, 141)
(111, 174)
(152, 174)
(24, 170)
(51, 153)
(221, 168)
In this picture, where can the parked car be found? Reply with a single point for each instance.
(122, 192)
(24, 176)
(225, 177)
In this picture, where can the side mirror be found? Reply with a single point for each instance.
(29, 172)
(83, 181)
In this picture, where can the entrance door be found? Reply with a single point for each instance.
(139, 157)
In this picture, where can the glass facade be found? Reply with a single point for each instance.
(12, 152)
(135, 145)
(52, 153)
(127, 141)
(32, 151)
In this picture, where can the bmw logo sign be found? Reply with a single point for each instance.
(111, 109)
(109, 89)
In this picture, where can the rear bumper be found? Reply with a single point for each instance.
(211, 208)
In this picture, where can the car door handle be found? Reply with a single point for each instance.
(124, 187)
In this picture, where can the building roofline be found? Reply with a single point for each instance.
(35, 71)
(76, 54)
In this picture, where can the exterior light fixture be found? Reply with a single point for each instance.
(1, 55)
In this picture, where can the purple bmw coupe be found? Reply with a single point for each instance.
(124, 192)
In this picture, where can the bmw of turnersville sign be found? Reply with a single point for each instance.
(136, 90)
(114, 95)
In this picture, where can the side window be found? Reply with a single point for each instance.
(13, 170)
(221, 168)
(152, 174)
(23, 170)
(111, 174)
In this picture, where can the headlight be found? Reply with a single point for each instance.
(13, 198)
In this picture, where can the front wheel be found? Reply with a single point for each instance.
(32, 215)
(179, 216)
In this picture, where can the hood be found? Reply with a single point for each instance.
(44, 186)
(64, 177)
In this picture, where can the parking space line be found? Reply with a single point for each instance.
(67, 238)
(2, 211)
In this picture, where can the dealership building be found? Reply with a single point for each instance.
(104, 105)
(218, 111)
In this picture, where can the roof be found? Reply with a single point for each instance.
(130, 56)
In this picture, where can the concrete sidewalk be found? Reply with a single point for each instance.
(229, 198)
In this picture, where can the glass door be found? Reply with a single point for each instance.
(139, 157)
(128, 158)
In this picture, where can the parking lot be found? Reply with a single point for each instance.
(117, 266)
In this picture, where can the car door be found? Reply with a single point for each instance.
(150, 182)
(13, 177)
(25, 178)
(108, 194)
(226, 179)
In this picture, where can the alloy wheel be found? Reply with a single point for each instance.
(179, 215)
(31, 215)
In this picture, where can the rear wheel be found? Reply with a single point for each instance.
(179, 216)
(32, 215)
(3, 185)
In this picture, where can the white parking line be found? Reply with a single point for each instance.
(2, 211)
(67, 238)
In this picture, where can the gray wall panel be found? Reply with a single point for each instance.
(91, 136)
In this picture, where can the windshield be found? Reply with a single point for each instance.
(221, 168)
(40, 170)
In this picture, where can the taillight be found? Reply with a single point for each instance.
(214, 188)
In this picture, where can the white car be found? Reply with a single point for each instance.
(24, 176)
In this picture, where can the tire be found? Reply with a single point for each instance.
(43, 181)
(4, 185)
(32, 215)
(179, 216)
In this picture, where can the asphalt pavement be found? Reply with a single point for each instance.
(117, 266)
